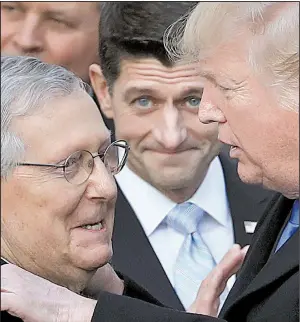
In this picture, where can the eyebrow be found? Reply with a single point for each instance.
(104, 143)
(190, 90)
(63, 12)
(57, 14)
(209, 75)
(215, 79)
(137, 91)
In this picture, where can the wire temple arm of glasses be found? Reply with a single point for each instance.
(40, 165)
(119, 143)
(122, 144)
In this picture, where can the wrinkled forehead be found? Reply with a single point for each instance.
(229, 62)
(153, 68)
(151, 73)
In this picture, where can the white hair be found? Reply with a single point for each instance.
(26, 85)
(269, 30)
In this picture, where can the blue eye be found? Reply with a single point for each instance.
(144, 102)
(193, 102)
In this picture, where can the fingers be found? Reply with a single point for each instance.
(245, 250)
(230, 264)
(207, 300)
(215, 282)
(5, 300)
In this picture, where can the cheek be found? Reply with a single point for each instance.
(8, 30)
(204, 134)
(60, 49)
(130, 126)
(68, 50)
(47, 208)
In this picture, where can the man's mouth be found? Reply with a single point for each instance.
(172, 151)
(95, 226)
(233, 147)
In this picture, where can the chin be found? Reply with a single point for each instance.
(249, 174)
(92, 259)
(174, 180)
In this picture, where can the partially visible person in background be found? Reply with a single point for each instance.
(181, 204)
(61, 33)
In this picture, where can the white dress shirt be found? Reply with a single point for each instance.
(151, 207)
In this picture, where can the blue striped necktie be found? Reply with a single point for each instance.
(291, 227)
(194, 260)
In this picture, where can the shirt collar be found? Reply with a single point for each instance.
(151, 206)
(211, 196)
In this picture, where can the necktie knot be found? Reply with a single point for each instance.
(185, 217)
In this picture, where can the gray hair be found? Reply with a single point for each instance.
(26, 85)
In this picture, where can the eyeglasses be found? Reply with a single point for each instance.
(80, 164)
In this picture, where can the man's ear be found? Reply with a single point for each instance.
(100, 88)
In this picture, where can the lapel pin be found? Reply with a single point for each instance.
(250, 226)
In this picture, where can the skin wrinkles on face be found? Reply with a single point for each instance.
(48, 212)
(252, 119)
(170, 149)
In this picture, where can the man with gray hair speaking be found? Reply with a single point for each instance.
(249, 56)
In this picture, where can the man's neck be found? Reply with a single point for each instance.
(178, 195)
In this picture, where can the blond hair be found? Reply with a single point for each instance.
(269, 30)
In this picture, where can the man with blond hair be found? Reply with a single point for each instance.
(248, 55)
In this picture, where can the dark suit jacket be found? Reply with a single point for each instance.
(116, 308)
(135, 257)
(267, 288)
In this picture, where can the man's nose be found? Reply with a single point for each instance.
(209, 113)
(170, 131)
(101, 183)
(28, 39)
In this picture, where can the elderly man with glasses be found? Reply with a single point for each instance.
(57, 165)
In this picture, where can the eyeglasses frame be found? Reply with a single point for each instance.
(101, 155)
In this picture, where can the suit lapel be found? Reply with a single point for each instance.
(280, 265)
(246, 202)
(260, 269)
(135, 257)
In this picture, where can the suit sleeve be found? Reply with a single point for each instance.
(117, 308)
(132, 289)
